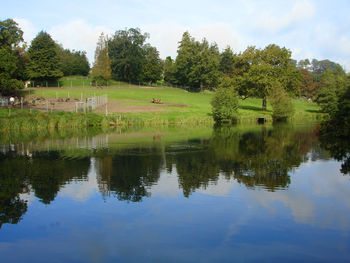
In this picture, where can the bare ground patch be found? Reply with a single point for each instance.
(64, 104)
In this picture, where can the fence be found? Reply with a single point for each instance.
(4, 101)
(91, 103)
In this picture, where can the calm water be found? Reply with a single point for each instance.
(243, 194)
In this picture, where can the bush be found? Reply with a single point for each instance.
(225, 105)
(282, 107)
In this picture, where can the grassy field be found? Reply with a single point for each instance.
(179, 105)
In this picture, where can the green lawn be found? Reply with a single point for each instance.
(198, 104)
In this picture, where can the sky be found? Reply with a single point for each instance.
(309, 28)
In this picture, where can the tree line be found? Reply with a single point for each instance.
(266, 73)
(43, 59)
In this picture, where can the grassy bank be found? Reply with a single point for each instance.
(179, 105)
(131, 106)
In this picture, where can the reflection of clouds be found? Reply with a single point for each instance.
(167, 185)
(29, 197)
(222, 187)
(82, 190)
(317, 196)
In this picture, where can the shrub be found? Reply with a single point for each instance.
(282, 107)
(225, 105)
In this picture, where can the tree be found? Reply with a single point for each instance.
(227, 62)
(225, 105)
(10, 58)
(101, 71)
(152, 67)
(10, 34)
(126, 50)
(73, 62)
(333, 84)
(197, 64)
(262, 69)
(308, 86)
(44, 60)
(169, 70)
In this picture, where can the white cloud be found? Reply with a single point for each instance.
(165, 37)
(29, 30)
(301, 11)
(79, 35)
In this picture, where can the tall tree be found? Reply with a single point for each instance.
(227, 62)
(152, 67)
(169, 70)
(10, 39)
(44, 60)
(197, 63)
(102, 65)
(126, 50)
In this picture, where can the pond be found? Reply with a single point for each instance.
(187, 194)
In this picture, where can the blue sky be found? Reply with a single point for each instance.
(309, 28)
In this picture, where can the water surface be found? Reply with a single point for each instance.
(239, 194)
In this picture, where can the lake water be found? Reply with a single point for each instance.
(241, 194)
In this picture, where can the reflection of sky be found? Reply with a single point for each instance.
(224, 222)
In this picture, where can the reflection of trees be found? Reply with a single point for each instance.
(12, 183)
(44, 173)
(335, 133)
(48, 172)
(129, 174)
(259, 158)
(196, 169)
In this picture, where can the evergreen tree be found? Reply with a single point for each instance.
(169, 70)
(101, 71)
(126, 50)
(152, 67)
(197, 64)
(44, 61)
(227, 62)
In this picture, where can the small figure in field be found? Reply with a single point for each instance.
(12, 101)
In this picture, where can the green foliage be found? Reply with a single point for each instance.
(101, 71)
(332, 87)
(10, 34)
(227, 62)
(262, 69)
(152, 67)
(10, 57)
(169, 71)
(44, 60)
(73, 62)
(225, 105)
(197, 64)
(125, 49)
(282, 106)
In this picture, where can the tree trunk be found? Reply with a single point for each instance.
(201, 86)
(264, 104)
